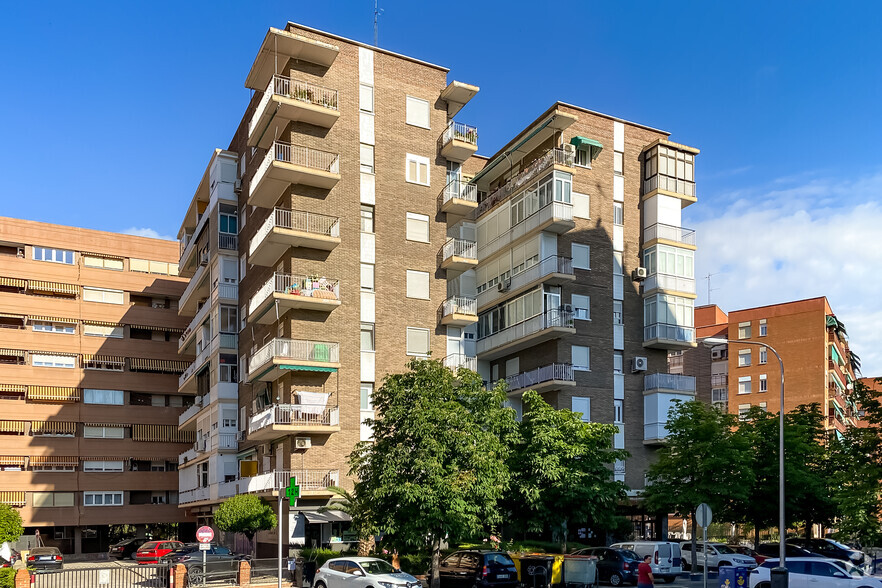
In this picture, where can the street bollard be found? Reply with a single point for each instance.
(780, 578)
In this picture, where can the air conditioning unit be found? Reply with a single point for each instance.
(302, 442)
(240, 436)
(567, 308)
(503, 286)
(638, 274)
(638, 364)
(569, 148)
(237, 186)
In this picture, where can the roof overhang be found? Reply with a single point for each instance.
(457, 94)
(286, 45)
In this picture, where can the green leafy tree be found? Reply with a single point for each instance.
(246, 514)
(561, 471)
(361, 512)
(436, 467)
(760, 431)
(704, 459)
(10, 524)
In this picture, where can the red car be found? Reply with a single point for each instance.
(150, 552)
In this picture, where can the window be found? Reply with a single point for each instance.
(102, 466)
(102, 498)
(417, 341)
(581, 307)
(366, 158)
(764, 383)
(618, 213)
(618, 411)
(744, 330)
(229, 319)
(227, 372)
(367, 337)
(228, 223)
(583, 158)
(103, 331)
(55, 361)
(367, 392)
(581, 256)
(581, 358)
(581, 205)
(417, 284)
(417, 227)
(366, 98)
(417, 169)
(93, 396)
(96, 432)
(103, 295)
(743, 409)
(99, 362)
(618, 362)
(229, 419)
(618, 313)
(417, 112)
(743, 357)
(243, 265)
(618, 163)
(45, 327)
(764, 328)
(582, 405)
(50, 499)
(54, 255)
(763, 406)
(111, 263)
(672, 261)
(744, 385)
(763, 355)
(367, 277)
(367, 218)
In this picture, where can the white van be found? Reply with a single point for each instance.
(666, 560)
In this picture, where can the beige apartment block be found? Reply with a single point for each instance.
(88, 382)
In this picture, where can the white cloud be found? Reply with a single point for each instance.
(146, 232)
(793, 240)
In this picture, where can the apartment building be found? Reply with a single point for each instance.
(88, 382)
(708, 365)
(370, 233)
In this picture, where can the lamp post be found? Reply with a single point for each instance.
(782, 569)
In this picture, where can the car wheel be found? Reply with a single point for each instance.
(669, 579)
(763, 585)
(320, 585)
(195, 575)
(723, 563)
(615, 579)
(686, 566)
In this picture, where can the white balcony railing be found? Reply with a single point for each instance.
(554, 264)
(547, 320)
(459, 305)
(555, 156)
(555, 371)
(195, 495)
(223, 441)
(200, 445)
(457, 131)
(669, 233)
(295, 220)
(553, 211)
(457, 188)
(295, 350)
(229, 341)
(454, 361)
(669, 282)
(227, 291)
(190, 412)
(186, 456)
(309, 415)
(669, 382)
(296, 155)
(666, 332)
(278, 479)
(298, 285)
(296, 89)
(198, 363)
(459, 248)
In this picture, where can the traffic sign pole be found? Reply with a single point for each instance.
(204, 535)
(704, 516)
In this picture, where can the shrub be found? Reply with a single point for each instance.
(7, 578)
(321, 555)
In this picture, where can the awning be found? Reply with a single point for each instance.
(12, 426)
(157, 365)
(13, 282)
(14, 388)
(117, 425)
(102, 324)
(12, 460)
(20, 317)
(160, 329)
(594, 147)
(53, 427)
(102, 255)
(150, 459)
(331, 516)
(51, 319)
(162, 434)
(55, 460)
(308, 368)
(53, 393)
(54, 287)
(12, 497)
(12, 352)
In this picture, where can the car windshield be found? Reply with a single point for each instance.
(724, 549)
(498, 559)
(150, 545)
(839, 545)
(852, 569)
(45, 551)
(628, 554)
(377, 566)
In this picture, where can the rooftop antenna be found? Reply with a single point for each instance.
(377, 12)
(709, 289)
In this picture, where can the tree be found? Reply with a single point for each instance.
(360, 511)
(703, 460)
(560, 470)
(436, 466)
(10, 524)
(246, 514)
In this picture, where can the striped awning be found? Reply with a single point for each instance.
(12, 352)
(151, 459)
(53, 427)
(103, 458)
(106, 424)
(20, 317)
(102, 255)
(53, 393)
(12, 497)
(117, 359)
(55, 460)
(51, 319)
(12, 426)
(155, 328)
(102, 324)
(157, 365)
(14, 388)
(13, 282)
(12, 460)
(162, 433)
(55, 287)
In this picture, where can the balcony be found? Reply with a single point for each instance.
(280, 355)
(213, 493)
(286, 164)
(554, 270)
(668, 283)
(550, 159)
(200, 445)
(720, 396)
(549, 325)
(458, 198)
(225, 292)
(542, 379)
(312, 483)
(223, 442)
(666, 336)
(554, 217)
(187, 456)
(668, 382)
(292, 228)
(459, 311)
(195, 495)
(455, 361)
(197, 289)
(668, 234)
(187, 417)
(291, 419)
(459, 255)
(660, 391)
(286, 100)
(718, 380)
(458, 142)
(283, 292)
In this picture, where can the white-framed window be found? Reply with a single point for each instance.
(618, 313)
(104, 295)
(743, 409)
(618, 411)
(744, 385)
(763, 406)
(581, 307)
(94, 396)
(243, 317)
(763, 383)
(243, 265)
(102, 498)
(102, 466)
(96, 432)
(744, 330)
(50, 468)
(417, 169)
(54, 255)
(582, 405)
(229, 418)
(618, 362)
(618, 163)
(417, 341)
(763, 356)
(367, 337)
(764, 328)
(581, 358)
(367, 277)
(417, 284)
(46, 327)
(743, 357)
(228, 222)
(618, 213)
(227, 372)
(581, 256)
(367, 392)
(417, 112)
(367, 218)
(366, 158)
(417, 228)
(54, 361)
(366, 98)
(103, 331)
(583, 158)
(111, 263)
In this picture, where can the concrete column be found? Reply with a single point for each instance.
(78, 540)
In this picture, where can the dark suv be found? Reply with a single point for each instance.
(615, 566)
(830, 548)
(481, 569)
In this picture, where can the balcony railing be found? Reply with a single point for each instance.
(227, 241)
(547, 320)
(675, 361)
(296, 155)
(666, 332)
(668, 382)
(190, 412)
(460, 189)
(719, 380)
(195, 495)
(669, 233)
(296, 285)
(228, 291)
(296, 89)
(229, 340)
(553, 264)
(555, 156)
(454, 361)
(459, 248)
(278, 479)
(296, 350)
(669, 283)
(308, 415)
(296, 220)
(457, 131)
(553, 372)
(553, 212)
(222, 441)
(720, 395)
(459, 305)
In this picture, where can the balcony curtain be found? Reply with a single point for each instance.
(162, 434)
(140, 364)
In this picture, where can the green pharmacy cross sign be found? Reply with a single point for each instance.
(292, 492)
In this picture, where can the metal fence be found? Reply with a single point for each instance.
(142, 576)
(266, 571)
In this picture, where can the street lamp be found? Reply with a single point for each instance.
(710, 342)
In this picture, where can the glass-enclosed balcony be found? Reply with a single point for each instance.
(554, 270)
(286, 100)
(284, 292)
(667, 336)
(285, 164)
(669, 168)
(280, 355)
(285, 228)
(458, 142)
(660, 391)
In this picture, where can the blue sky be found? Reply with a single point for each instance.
(110, 112)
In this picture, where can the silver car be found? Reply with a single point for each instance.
(362, 572)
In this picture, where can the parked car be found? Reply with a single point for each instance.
(666, 560)
(768, 550)
(362, 572)
(125, 548)
(745, 550)
(814, 571)
(45, 558)
(717, 555)
(481, 568)
(14, 556)
(832, 549)
(615, 566)
(220, 562)
(152, 551)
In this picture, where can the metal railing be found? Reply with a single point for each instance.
(457, 131)
(297, 285)
(553, 211)
(228, 291)
(669, 233)
(675, 361)
(229, 340)
(554, 318)
(190, 412)
(194, 495)
(311, 415)
(296, 220)
(555, 371)
(295, 155)
(224, 441)
(666, 332)
(454, 361)
(459, 305)
(200, 445)
(278, 479)
(669, 382)
(720, 395)
(296, 350)
(296, 89)
(458, 188)
(459, 248)
(555, 156)
(553, 264)
(227, 241)
(719, 379)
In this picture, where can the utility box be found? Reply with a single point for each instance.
(733, 577)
